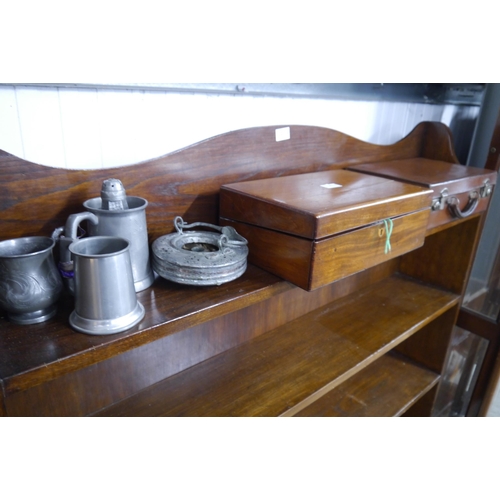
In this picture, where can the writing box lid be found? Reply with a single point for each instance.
(320, 204)
(434, 174)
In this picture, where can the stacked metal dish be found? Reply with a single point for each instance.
(200, 257)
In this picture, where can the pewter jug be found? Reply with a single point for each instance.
(105, 299)
(112, 214)
(29, 281)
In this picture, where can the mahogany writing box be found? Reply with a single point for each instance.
(315, 228)
(459, 191)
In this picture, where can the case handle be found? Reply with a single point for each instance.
(468, 209)
(451, 202)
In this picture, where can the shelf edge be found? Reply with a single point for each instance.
(360, 366)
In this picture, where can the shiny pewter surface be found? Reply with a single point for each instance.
(112, 214)
(105, 299)
(113, 195)
(200, 257)
(129, 223)
(30, 284)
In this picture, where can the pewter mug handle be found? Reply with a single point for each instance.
(74, 221)
(67, 235)
(71, 229)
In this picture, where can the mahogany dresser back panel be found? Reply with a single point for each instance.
(371, 343)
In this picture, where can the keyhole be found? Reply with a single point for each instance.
(381, 232)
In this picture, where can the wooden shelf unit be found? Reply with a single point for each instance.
(283, 371)
(385, 388)
(372, 343)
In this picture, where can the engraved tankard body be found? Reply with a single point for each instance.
(29, 281)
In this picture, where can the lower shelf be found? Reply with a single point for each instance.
(285, 370)
(386, 388)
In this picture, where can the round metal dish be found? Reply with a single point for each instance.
(200, 257)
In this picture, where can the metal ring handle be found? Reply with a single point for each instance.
(468, 209)
(180, 225)
(229, 238)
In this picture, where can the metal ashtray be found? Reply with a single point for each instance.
(200, 257)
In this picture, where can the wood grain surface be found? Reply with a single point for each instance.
(288, 368)
(459, 180)
(31, 354)
(431, 173)
(385, 388)
(36, 199)
(446, 257)
(320, 204)
(312, 264)
(261, 333)
(186, 330)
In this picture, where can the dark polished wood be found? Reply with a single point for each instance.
(307, 206)
(340, 211)
(312, 264)
(437, 144)
(50, 369)
(32, 354)
(36, 199)
(434, 174)
(131, 370)
(446, 257)
(423, 406)
(430, 344)
(386, 388)
(459, 180)
(284, 370)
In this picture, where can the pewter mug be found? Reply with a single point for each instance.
(30, 284)
(129, 223)
(105, 299)
(112, 214)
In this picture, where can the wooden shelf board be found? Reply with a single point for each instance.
(386, 388)
(33, 354)
(283, 371)
(447, 225)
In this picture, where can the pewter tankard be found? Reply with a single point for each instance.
(29, 282)
(113, 214)
(105, 299)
